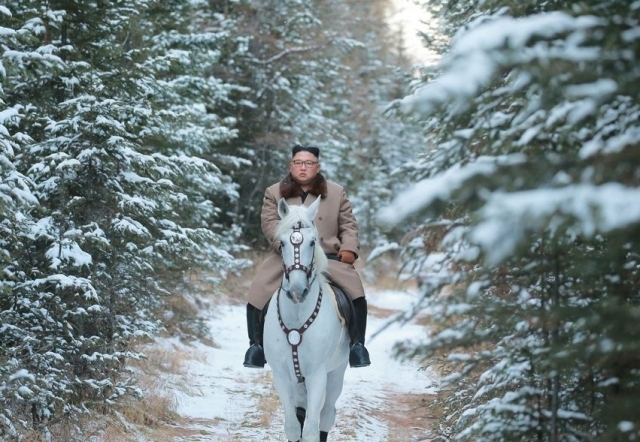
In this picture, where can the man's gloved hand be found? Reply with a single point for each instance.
(347, 256)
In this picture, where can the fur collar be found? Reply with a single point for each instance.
(289, 188)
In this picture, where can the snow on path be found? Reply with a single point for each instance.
(224, 400)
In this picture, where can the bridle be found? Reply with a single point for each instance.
(294, 336)
(296, 239)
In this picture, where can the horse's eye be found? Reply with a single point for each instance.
(313, 243)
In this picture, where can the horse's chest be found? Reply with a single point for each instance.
(303, 351)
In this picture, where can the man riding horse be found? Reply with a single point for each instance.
(338, 232)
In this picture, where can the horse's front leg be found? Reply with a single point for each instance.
(292, 427)
(287, 394)
(335, 381)
(316, 390)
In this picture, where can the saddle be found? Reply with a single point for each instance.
(345, 308)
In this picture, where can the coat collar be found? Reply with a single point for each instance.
(290, 189)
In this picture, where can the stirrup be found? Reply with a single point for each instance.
(254, 358)
(359, 356)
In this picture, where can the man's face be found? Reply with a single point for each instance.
(304, 168)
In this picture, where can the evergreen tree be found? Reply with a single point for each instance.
(119, 201)
(378, 139)
(197, 99)
(16, 201)
(529, 193)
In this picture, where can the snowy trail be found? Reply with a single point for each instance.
(225, 401)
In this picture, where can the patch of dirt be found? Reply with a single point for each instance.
(407, 417)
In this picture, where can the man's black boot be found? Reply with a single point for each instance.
(359, 355)
(254, 358)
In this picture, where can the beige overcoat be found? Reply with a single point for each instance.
(337, 230)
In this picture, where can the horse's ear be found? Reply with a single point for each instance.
(313, 208)
(283, 208)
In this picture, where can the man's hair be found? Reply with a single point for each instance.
(300, 148)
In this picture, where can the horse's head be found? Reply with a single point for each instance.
(302, 257)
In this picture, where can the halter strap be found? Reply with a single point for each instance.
(296, 239)
(294, 335)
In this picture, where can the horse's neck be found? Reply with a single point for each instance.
(294, 315)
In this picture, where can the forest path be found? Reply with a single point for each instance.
(220, 400)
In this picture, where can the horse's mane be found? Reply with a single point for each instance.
(299, 214)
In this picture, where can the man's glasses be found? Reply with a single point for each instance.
(307, 163)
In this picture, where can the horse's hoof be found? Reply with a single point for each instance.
(301, 414)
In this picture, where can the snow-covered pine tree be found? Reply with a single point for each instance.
(532, 182)
(374, 73)
(16, 202)
(195, 94)
(114, 192)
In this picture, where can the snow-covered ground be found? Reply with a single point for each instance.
(224, 401)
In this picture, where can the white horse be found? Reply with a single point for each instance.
(305, 341)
